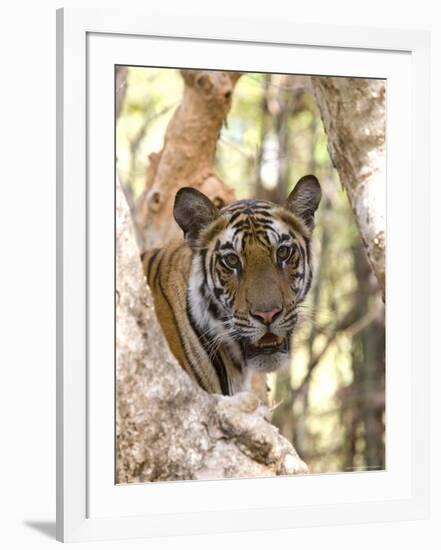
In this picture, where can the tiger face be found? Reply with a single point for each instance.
(251, 269)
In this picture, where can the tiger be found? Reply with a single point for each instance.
(227, 295)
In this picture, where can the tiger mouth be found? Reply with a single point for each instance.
(267, 345)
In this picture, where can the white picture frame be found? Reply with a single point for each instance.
(403, 492)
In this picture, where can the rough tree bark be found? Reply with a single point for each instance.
(353, 113)
(168, 428)
(187, 156)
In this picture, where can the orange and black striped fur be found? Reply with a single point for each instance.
(227, 297)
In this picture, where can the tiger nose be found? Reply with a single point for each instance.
(267, 316)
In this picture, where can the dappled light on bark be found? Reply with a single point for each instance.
(354, 114)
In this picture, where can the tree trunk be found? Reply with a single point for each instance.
(187, 157)
(167, 427)
(353, 113)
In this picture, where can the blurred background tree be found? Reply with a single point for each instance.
(331, 402)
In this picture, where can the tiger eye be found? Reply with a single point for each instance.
(232, 260)
(283, 252)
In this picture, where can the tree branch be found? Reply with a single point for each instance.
(353, 113)
(187, 157)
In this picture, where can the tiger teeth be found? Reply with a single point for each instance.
(267, 344)
(270, 343)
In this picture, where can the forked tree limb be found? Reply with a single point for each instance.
(187, 157)
(354, 115)
(167, 427)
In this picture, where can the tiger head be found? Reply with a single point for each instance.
(251, 269)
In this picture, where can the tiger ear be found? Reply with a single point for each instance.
(193, 211)
(304, 199)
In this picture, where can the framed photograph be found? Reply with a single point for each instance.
(242, 275)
